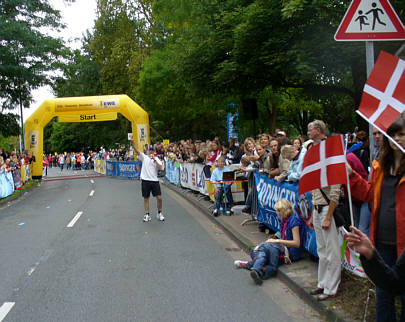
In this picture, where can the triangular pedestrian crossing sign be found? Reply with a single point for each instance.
(370, 20)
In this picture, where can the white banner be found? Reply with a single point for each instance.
(350, 258)
(192, 177)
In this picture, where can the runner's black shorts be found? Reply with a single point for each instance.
(148, 186)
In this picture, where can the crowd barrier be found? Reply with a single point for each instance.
(13, 180)
(127, 169)
(191, 176)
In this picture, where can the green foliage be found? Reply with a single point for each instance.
(27, 54)
(81, 76)
(184, 61)
(9, 143)
(9, 125)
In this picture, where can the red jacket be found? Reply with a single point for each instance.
(371, 192)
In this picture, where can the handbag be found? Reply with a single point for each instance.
(341, 215)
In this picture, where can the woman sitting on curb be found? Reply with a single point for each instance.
(266, 256)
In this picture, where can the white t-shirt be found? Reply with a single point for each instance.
(149, 167)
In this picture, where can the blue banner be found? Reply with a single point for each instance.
(172, 172)
(232, 129)
(270, 191)
(111, 168)
(129, 169)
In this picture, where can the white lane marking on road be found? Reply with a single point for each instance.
(92, 181)
(91, 193)
(32, 270)
(75, 218)
(5, 308)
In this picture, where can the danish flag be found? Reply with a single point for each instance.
(383, 98)
(324, 165)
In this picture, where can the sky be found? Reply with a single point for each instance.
(78, 17)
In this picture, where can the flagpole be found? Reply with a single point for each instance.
(349, 194)
(369, 65)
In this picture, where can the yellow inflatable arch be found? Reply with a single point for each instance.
(83, 109)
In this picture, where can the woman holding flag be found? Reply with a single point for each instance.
(386, 192)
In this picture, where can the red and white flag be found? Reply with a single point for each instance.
(383, 98)
(324, 165)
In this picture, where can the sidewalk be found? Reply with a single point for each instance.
(300, 277)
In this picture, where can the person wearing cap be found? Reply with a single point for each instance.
(288, 243)
(281, 134)
(149, 180)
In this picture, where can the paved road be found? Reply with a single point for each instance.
(77, 250)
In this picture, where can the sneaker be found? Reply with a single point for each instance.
(215, 213)
(246, 210)
(228, 213)
(240, 264)
(256, 277)
(160, 216)
(147, 218)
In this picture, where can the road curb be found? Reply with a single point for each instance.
(244, 243)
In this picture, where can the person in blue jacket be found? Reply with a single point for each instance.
(221, 188)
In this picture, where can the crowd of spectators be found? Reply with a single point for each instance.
(11, 162)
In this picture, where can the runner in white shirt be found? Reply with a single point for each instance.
(150, 183)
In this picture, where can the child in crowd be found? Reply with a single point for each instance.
(221, 189)
(288, 245)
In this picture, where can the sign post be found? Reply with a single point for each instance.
(370, 20)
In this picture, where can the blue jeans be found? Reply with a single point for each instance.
(225, 189)
(362, 216)
(265, 260)
(385, 300)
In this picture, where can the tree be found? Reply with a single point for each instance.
(27, 54)
(9, 125)
(123, 38)
(81, 76)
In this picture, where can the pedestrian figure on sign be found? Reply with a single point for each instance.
(375, 12)
(362, 19)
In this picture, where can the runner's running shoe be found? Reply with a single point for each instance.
(147, 218)
(160, 216)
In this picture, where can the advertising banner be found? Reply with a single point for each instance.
(88, 117)
(111, 168)
(232, 129)
(102, 166)
(17, 179)
(143, 135)
(129, 169)
(97, 166)
(172, 173)
(192, 177)
(350, 258)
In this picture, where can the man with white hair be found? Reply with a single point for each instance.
(324, 202)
